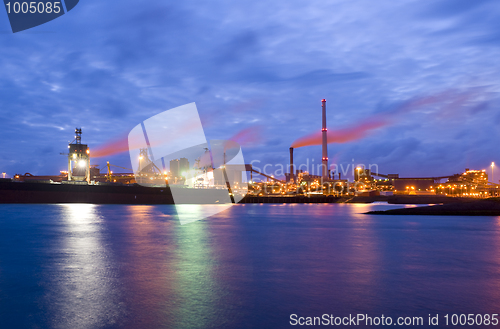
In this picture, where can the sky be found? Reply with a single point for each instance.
(428, 70)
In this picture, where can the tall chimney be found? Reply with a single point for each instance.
(291, 165)
(325, 142)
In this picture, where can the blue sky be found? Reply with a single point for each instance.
(108, 65)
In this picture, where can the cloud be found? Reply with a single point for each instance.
(106, 68)
(451, 8)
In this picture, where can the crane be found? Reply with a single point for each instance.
(109, 170)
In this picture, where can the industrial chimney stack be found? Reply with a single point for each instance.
(325, 142)
(291, 165)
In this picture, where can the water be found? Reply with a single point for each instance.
(113, 266)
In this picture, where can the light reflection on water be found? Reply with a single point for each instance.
(195, 283)
(168, 270)
(81, 266)
(82, 294)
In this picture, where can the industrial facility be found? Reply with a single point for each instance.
(471, 183)
(180, 172)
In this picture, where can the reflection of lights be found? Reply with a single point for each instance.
(84, 258)
(80, 211)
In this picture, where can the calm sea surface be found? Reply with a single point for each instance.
(252, 266)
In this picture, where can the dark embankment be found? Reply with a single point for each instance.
(409, 199)
(489, 207)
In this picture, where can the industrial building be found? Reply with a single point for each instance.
(178, 168)
(471, 183)
(78, 159)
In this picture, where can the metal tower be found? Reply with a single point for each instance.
(324, 159)
(78, 159)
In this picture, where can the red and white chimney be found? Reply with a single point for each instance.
(324, 160)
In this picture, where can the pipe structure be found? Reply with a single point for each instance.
(291, 165)
(325, 142)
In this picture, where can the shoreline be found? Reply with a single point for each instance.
(42, 192)
(393, 199)
(486, 207)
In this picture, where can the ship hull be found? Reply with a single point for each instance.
(26, 192)
(30, 192)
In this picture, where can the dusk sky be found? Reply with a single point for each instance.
(427, 71)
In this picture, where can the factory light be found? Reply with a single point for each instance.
(82, 163)
(74, 156)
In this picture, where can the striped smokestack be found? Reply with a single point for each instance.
(324, 143)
